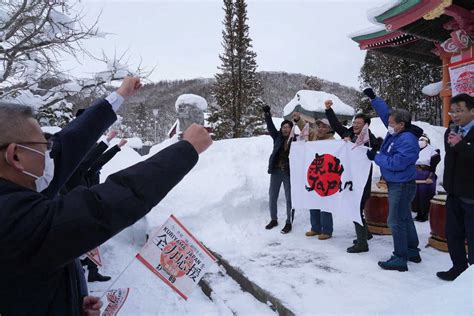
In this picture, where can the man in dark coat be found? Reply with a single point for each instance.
(351, 134)
(458, 182)
(279, 169)
(42, 233)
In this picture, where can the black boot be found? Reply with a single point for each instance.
(361, 241)
(421, 217)
(451, 274)
(96, 276)
(286, 229)
(273, 223)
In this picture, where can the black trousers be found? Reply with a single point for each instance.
(366, 196)
(459, 228)
(91, 266)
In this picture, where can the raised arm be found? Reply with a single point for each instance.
(98, 213)
(268, 119)
(333, 121)
(379, 105)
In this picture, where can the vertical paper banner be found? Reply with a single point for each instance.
(116, 299)
(176, 257)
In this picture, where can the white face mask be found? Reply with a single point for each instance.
(391, 130)
(43, 181)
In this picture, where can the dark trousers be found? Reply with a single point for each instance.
(91, 266)
(459, 227)
(365, 196)
(276, 179)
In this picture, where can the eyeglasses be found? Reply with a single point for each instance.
(49, 144)
(451, 113)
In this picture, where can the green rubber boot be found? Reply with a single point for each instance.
(361, 244)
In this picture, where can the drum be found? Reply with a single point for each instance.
(376, 212)
(438, 223)
(437, 238)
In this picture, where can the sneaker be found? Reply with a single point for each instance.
(273, 223)
(394, 263)
(451, 274)
(286, 229)
(92, 277)
(312, 233)
(414, 255)
(324, 236)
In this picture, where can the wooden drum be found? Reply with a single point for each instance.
(438, 223)
(376, 212)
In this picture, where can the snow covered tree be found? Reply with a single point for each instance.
(34, 34)
(238, 90)
(400, 81)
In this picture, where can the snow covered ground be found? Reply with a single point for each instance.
(223, 201)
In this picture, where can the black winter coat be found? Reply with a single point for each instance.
(278, 141)
(458, 178)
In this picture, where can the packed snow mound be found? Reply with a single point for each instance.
(313, 101)
(433, 89)
(51, 129)
(193, 99)
(448, 299)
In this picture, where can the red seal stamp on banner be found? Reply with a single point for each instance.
(324, 175)
(177, 258)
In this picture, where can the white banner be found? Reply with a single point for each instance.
(462, 77)
(176, 257)
(116, 299)
(329, 175)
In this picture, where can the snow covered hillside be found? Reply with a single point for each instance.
(223, 201)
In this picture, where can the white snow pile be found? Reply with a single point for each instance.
(193, 99)
(433, 89)
(223, 201)
(51, 129)
(313, 101)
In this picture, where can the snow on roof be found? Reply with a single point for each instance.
(433, 88)
(374, 12)
(191, 99)
(313, 101)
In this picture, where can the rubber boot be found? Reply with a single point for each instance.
(369, 234)
(361, 244)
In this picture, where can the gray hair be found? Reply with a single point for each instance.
(14, 126)
(401, 116)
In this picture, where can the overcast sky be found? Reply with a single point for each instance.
(183, 38)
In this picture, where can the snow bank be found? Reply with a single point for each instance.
(433, 89)
(191, 99)
(313, 101)
(51, 129)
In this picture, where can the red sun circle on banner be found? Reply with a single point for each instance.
(324, 174)
(177, 258)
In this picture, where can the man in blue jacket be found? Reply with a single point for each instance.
(396, 159)
(41, 233)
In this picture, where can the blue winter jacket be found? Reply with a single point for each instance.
(399, 153)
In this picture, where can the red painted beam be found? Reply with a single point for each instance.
(410, 16)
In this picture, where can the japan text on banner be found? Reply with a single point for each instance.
(94, 255)
(328, 175)
(176, 257)
(462, 77)
(115, 299)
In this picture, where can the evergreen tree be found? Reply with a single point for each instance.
(400, 81)
(238, 90)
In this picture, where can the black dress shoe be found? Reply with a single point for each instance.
(92, 277)
(273, 223)
(451, 274)
(286, 229)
